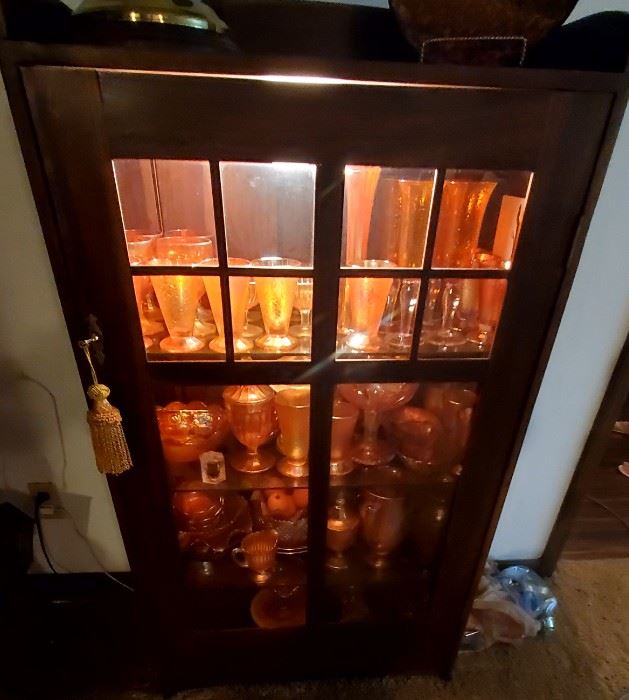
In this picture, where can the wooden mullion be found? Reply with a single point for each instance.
(430, 246)
(326, 257)
(464, 273)
(216, 372)
(221, 252)
(416, 273)
(200, 270)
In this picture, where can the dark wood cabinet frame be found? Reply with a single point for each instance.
(76, 108)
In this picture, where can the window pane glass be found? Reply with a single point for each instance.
(237, 461)
(396, 454)
(480, 217)
(376, 317)
(461, 316)
(181, 317)
(167, 198)
(386, 215)
(269, 211)
(277, 325)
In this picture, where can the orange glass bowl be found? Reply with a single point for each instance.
(188, 430)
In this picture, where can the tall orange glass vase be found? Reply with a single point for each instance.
(360, 191)
(463, 206)
(407, 206)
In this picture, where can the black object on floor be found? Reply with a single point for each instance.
(61, 636)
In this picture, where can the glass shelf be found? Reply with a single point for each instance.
(398, 476)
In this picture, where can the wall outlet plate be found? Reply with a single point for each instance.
(53, 507)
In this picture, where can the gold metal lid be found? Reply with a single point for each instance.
(155, 11)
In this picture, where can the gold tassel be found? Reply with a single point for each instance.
(105, 421)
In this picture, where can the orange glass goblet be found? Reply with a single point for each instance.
(276, 296)
(238, 295)
(367, 300)
(141, 250)
(342, 531)
(373, 399)
(179, 295)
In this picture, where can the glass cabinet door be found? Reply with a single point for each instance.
(396, 454)
(424, 269)
(425, 257)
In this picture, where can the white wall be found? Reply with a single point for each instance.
(34, 341)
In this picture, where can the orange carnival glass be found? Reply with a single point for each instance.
(141, 250)
(179, 295)
(293, 413)
(238, 297)
(373, 399)
(367, 300)
(276, 296)
(463, 205)
(344, 418)
(251, 415)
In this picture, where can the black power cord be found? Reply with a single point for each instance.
(40, 499)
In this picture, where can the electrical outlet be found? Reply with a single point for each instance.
(52, 508)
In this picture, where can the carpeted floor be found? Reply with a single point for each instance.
(587, 658)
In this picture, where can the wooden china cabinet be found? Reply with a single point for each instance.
(325, 294)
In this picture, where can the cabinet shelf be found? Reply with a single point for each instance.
(399, 477)
(224, 574)
(238, 481)
(299, 354)
(359, 478)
